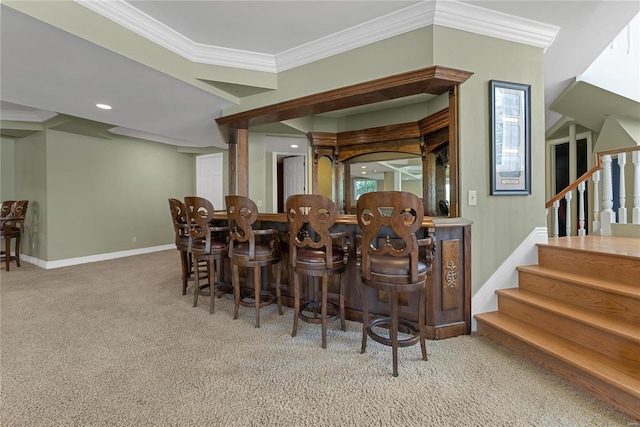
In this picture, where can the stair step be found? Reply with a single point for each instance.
(607, 324)
(611, 298)
(606, 258)
(589, 362)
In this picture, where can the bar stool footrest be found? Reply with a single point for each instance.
(266, 298)
(404, 326)
(333, 312)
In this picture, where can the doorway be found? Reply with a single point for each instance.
(291, 179)
(209, 179)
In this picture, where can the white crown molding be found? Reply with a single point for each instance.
(135, 20)
(449, 13)
(468, 17)
(38, 116)
(396, 23)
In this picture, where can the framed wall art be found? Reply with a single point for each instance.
(510, 138)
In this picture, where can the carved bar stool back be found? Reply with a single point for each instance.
(181, 229)
(254, 249)
(312, 253)
(390, 262)
(206, 243)
(12, 227)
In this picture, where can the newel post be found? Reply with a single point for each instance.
(556, 207)
(608, 215)
(596, 201)
(622, 210)
(581, 225)
(567, 217)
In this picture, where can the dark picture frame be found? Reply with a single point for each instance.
(510, 138)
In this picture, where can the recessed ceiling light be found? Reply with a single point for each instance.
(364, 173)
(363, 167)
(104, 106)
(294, 146)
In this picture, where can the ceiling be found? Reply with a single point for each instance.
(47, 71)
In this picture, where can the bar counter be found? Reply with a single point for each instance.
(448, 291)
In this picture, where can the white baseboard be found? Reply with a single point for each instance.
(93, 258)
(506, 275)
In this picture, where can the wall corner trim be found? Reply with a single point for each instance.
(93, 258)
(506, 276)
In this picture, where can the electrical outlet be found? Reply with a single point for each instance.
(473, 198)
(259, 203)
(133, 239)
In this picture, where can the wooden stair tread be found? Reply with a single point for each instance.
(599, 321)
(591, 282)
(588, 361)
(628, 247)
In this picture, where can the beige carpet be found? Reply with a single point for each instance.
(115, 344)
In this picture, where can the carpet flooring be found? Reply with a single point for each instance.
(114, 343)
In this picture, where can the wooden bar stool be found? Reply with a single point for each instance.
(12, 227)
(206, 244)
(313, 254)
(390, 262)
(181, 230)
(252, 248)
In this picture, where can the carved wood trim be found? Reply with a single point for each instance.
(434, 80)
(450, 283)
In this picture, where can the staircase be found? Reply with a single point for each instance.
(577, 313)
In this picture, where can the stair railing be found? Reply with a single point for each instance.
(602, 219)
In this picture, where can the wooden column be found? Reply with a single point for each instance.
(233, 168)
(454, 153)
(242, 156)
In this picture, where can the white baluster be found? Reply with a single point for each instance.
(596, 201)
(556, 219)
(581, 225)
(567, 217)
(622, 209)
(635, 212)
(608, 216)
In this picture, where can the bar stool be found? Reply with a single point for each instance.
(181, 230)
(12, 227)
(390, 262)
(249, 248)
(312, 253)
(206, 244)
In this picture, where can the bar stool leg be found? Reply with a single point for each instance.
(196, 281)
(296, 302)
(256, 288)
(278, 292)
(323, 309)
(236, 290)
(393, 297)
(211, 274)
(342, 315)
(365, 318)
(422, 322)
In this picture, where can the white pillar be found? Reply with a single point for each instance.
(635, 212)
(622, 209)
(567, 217)
(596, 201)
(556, 207)
(608, 216)
(581, 225)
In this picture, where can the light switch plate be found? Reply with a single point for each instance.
(473, 198)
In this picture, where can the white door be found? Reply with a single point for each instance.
(294, 179)
(209, 179)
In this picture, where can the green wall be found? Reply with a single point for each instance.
(6, 168)
(30, 183)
